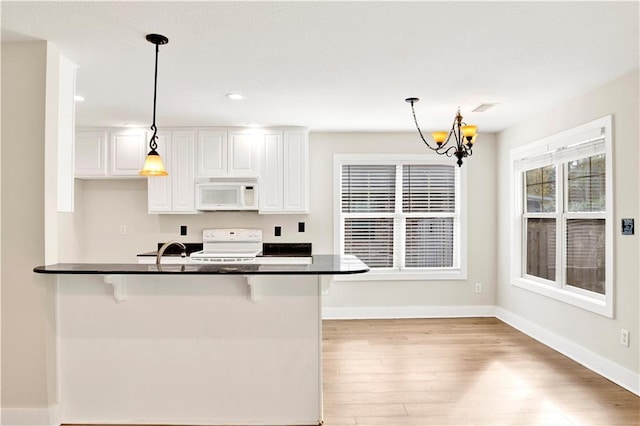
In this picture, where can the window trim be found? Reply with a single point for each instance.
(602, 305)
(409, 274)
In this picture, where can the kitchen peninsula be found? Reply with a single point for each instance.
(193, 344)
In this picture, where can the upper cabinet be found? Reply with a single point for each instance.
(278, 157)
(284, 177)
(91, 153)
(159, 188)
(174, 193)
(127, 152)
(211, 151)
(228, 153)
(104, 153)
(243, 153)
(296, 171)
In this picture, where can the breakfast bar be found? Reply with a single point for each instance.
(193, 344)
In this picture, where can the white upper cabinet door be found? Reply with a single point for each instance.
(296, 171)
(211, 153)
(90, 153)
(182, 171)
(159, 187)
(66, 134)
(243, 153)
(271, 197)
(128, 151)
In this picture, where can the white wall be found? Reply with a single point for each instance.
(590, 331)
(28, 334)
(409, 297)
(105, 205)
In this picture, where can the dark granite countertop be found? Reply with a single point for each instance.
(323, 264)
(268, 250)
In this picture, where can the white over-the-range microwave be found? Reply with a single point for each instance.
(227, 194)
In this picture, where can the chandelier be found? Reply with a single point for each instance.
(153, 164)
(463, 134)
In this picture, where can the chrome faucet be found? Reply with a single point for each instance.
(166, 245)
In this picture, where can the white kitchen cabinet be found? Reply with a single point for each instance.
(174, 193)
(271, 198)
(104, 153)
(296, 171)
(91, 153)
(284, 177)
(66, 137)
(278, 157)
(227, 153)
(211, 153)
(243, 153)
(159, 187)
(128, 151)
(183, 176)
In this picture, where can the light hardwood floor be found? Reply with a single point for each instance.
(469, 371)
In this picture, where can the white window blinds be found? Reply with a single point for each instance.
(368, 188)
(429, 242)
(401, 215)
(428, 188)
(583, 145)
(371, 240)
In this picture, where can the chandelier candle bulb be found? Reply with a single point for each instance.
(469, 131)
(439, 137)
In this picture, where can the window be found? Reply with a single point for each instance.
(563, 231)
(401, 215)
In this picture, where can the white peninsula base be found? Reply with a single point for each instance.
(190, 349)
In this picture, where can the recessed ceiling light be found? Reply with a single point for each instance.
(235, 96)
(78, 98)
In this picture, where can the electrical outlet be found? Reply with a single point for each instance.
(183, 229)
(478, 287)
(624, 337)
(123, 229)
(277, 231)
(300, 226)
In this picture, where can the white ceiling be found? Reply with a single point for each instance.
(331, 66)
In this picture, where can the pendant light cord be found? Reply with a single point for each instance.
(152, 143)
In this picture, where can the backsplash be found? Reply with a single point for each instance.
(105, 208)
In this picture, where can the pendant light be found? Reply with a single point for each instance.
(464, 135)
(153, 164)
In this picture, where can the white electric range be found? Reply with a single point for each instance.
(229, 245)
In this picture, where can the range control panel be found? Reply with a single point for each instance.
(231, 234)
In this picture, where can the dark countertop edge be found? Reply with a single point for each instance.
(155, 253)
(40, 270)
(322, 265)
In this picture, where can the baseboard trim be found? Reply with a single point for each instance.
(388, 312)
(594, 362)
(31, 416)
